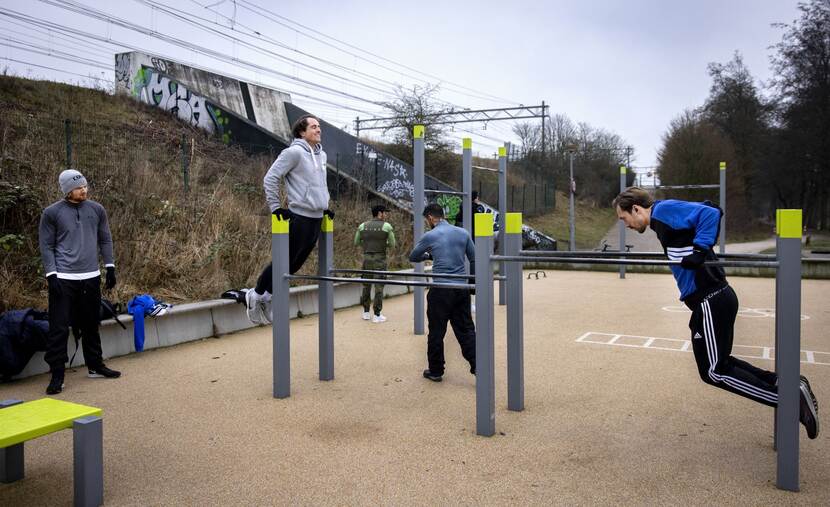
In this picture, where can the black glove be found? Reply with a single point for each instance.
(54, 284)
(329, 213)
(110, 283)
(283, 214)
(695, 259)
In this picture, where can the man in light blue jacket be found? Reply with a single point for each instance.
(301, 170)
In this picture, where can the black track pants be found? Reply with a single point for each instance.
(712, 325)
(453, 306)
(303, 233)
(78, 303)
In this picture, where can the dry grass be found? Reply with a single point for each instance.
(177, 245)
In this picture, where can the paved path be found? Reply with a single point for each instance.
(648, 242)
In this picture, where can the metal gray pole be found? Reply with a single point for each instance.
(280, 329)
(502, 213)
(325, 294)
(418, 219)
(88, 453)
(789, 347)
(515, 315)
(723, 207)
(467, 184)
(622, 225)
(485, 365)
(571, 215)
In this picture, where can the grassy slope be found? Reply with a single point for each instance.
(591, 223)
(177, 245)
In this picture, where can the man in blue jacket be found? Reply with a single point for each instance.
(447, 246)
(687, 231)
(72, 233)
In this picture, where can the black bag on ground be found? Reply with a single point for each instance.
(22, 333)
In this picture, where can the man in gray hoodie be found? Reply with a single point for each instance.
(301, 170)
(72, 232)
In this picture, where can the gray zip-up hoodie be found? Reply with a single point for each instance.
(304, 171)
(70, 237)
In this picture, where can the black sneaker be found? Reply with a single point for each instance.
(56, 384)
(473, 370)
(431, 376)
(810, 389)
(103, 372)
(808, 410)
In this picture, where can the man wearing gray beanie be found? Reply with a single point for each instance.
(72, 233)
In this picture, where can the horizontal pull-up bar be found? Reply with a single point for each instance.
(447, 192)
(685, 187)
(409, 274)
(646, 255)
(375, 281)
(629, 262)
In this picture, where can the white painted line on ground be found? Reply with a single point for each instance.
(686, 345)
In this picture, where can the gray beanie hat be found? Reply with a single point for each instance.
(70, 179)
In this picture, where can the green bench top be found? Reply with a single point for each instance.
(33, 419)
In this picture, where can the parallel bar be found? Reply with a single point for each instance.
(280, 329)
(515, 316)
(325, 295)
(406, 274)
(686, 187)
(628, 262)
(485, 364)
(447, 192)
(503, 150)
(375, 281)
(722, 198)
(789, 354)
(88, 451)
(467, 184)
(655, 255)
(623, 171)
(418, 221)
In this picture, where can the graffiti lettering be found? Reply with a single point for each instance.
(161, 91)
(122, 69)
(159, 64)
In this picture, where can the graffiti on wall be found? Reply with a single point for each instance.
(451, 205)
(122, 70)
(156, 89)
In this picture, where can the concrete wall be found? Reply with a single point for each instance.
(266, 105)
(205, 319)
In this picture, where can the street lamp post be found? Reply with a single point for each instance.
(571, 148)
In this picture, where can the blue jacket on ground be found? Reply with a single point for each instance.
(448, 245)
(138, 307)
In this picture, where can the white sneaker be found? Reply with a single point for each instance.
(367, 316)
(377, 319)
(265, 311)
(252, 306)
(472, 307)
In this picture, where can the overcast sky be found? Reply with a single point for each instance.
(625, 66)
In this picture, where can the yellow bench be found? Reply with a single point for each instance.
(21, 421)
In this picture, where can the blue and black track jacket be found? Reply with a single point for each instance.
(682, 227)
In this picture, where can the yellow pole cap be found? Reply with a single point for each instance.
(502, 151)
(622, 169)
(327, 225)
(418, 132)
(723, 166)
(513, 223)
(484, 224)
(278, 226)
(467, 143)
(788, 223)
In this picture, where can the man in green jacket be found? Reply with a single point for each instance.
(375, 236)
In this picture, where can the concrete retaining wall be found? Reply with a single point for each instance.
(196, 321)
